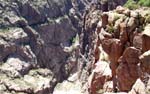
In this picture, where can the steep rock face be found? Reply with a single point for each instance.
(35, 34)
(123, 35)
(47, 26)
(53, 38)
(35, 14)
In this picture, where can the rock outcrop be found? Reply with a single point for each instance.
(127, 71)
(123, 35)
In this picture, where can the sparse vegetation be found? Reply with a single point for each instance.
(131, 4)
(144, 3)
(110, 28)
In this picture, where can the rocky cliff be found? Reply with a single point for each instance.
(73, 46)
(120, 38)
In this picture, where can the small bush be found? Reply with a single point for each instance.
(110, 28)
(131, 4)
(144, 3)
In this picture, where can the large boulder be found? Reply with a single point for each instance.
(128, 70)
(114, 49)
(145, 61)
(146, 38)
(100, 75)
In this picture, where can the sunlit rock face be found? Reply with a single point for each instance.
(124, 39)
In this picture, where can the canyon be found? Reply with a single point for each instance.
(74, 47)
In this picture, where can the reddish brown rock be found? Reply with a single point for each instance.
(145, 62)
(127, 71)
(114, 49)
(104, 18)
(100, 75)
(123, 33)
(145, 43)
(146, 39)
(96, 54)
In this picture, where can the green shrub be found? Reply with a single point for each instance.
(131, 4)
(144, 3)
(110, 28)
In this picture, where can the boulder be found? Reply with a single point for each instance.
(100, 75)
(123, 33)
(128, 70)
(145, 61)
(104, 18)
(114, 49)
(146, 38)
